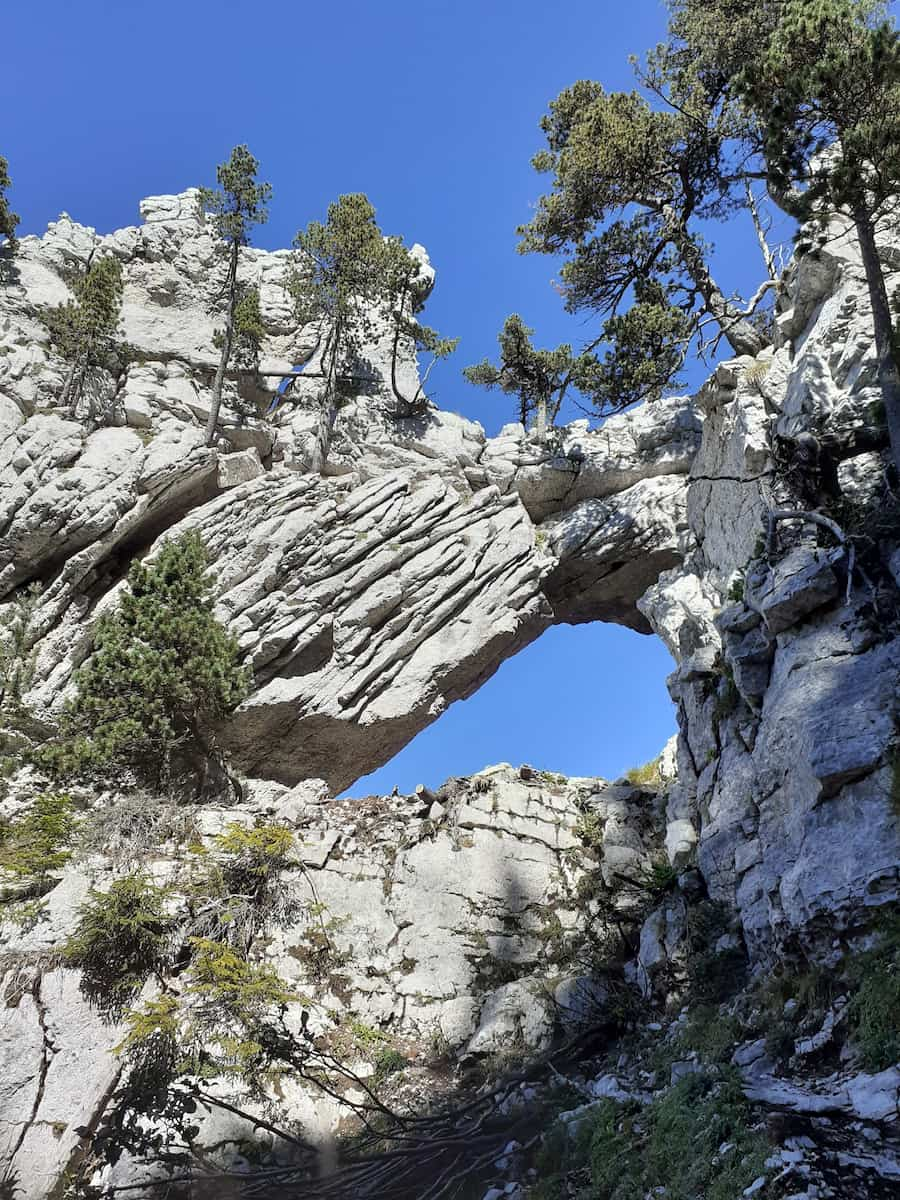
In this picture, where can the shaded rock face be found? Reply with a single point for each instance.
(470, 915)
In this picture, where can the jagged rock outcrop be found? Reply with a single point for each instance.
(370, 597)
(469, 915)
(786, 700)
(367, 600)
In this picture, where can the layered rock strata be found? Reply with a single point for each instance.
(370, 597)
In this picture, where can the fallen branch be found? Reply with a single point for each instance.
(813, 518)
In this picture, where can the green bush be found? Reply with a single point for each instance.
(37, 841)
(242, 890)
(647, 775)
(223, 1023)
(712, 1034)
(713, 975)
(17, 663)
(874, 1011)
(163, 672)
(661, 877)
(252, 860)
(673, 1144)
(388, 1062)
(123, 936)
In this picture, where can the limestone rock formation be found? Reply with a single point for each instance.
(370, 597)
(367, 600)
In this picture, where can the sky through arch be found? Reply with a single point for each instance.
(580, 700)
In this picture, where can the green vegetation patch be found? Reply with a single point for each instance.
(123, 936)
(874, 1012)
(37, 841)
(623, 1152)
(647, 775)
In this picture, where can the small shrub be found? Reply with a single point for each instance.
(26, 914)
(225, 987)
(590, 886)
(589, 829)
(317, 950)
(123, 936)
(37, 842)
(874, 1010)
(253, 859)
(780, 1040)
(647, 775)
(736, 591)
(727, 702)
(875, 1016)
(673, 1144)
(713, 975)
(712, 1034)
(661, 877)
(365, 1036)
(388, 1062)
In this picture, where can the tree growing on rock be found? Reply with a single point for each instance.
(630, 183)
(17, 664)
(825, 91)
(8, 219)
(85, 333)
(235, 206)
(406, 290)
(346, 275)
(337, 279)
(538, 379)
(162, 674)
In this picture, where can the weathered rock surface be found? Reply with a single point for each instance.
(370, 597)
(367, 600)
(472, 926)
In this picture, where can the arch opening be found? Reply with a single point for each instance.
(587, 699)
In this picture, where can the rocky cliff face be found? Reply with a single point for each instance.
(369, 598)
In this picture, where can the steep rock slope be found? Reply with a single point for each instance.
(369, 598)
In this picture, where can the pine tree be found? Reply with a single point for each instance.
(346, 276)
(84, 331)
(825, 89)
(405, 290)
(162, 674)
(630, 182)
(8, 219)
(236, 206)
(538, 378)
(337, 278)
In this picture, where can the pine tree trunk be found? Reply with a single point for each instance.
(888, 375)
(542, 419)
(67, 387)
(737, 330)
(401, 307)
(228, 337)
(71, 392)
(328, 408)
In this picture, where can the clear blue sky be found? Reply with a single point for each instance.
(431, 107)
